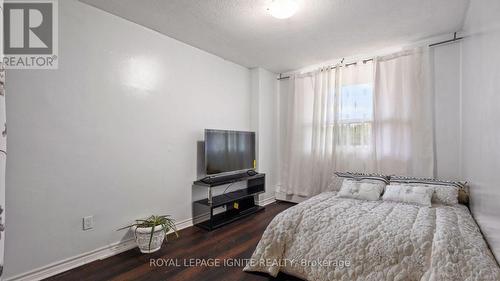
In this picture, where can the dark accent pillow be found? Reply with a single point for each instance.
(363, 176)
(401, 179)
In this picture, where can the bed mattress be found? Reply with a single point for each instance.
(331, 238)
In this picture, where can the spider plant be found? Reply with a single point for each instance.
(164, 221)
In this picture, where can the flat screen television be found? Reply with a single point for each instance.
(228, 151)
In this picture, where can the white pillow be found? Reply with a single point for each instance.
(409, 194)
(335, 183)
(443, 194)
(361, 189)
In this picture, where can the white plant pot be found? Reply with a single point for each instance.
(142, 236)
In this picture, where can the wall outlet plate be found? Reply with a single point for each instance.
(88, 222)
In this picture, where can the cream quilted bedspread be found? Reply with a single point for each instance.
(330, 238)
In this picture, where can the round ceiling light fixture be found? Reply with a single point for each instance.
(282, 9)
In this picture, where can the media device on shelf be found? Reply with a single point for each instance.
(251, 172)
(229, 154)
(229, 158)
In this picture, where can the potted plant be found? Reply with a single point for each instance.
(149, 233)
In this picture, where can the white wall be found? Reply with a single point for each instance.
(481, 115)
(264, 120)
(112, 133)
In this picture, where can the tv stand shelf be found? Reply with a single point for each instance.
(224, 180)
(223, 218)
(231, 206)
(226, 198)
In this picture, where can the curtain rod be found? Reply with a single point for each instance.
(455, 38)
(331, 67)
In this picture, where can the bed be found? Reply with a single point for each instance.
(333, 238)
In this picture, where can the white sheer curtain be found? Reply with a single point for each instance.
(3, 144)
(3, 159)
(368, 117)
(403, 114)
(328, 127)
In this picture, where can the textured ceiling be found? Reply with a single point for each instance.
(242, 31)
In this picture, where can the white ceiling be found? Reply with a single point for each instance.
(242, 31)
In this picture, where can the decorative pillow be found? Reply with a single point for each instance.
(361, 176)
(335, 183)
(409, 194)
(445, 194)
(401, 179)
(441, 193)
(361, 189)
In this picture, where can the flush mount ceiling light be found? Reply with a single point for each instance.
(282, 9)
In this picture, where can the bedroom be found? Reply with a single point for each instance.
(285, 139)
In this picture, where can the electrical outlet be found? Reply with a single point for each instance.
(88, 222)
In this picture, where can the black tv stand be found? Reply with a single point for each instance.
(231, 205)
(220, 180)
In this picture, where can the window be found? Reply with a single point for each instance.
(356, 103)
(340, 117)
(356, 114)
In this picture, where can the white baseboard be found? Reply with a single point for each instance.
(79, 260)
(97, 254)
(266, 201)
(290, 198)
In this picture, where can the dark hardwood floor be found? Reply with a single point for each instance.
(234, 241)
